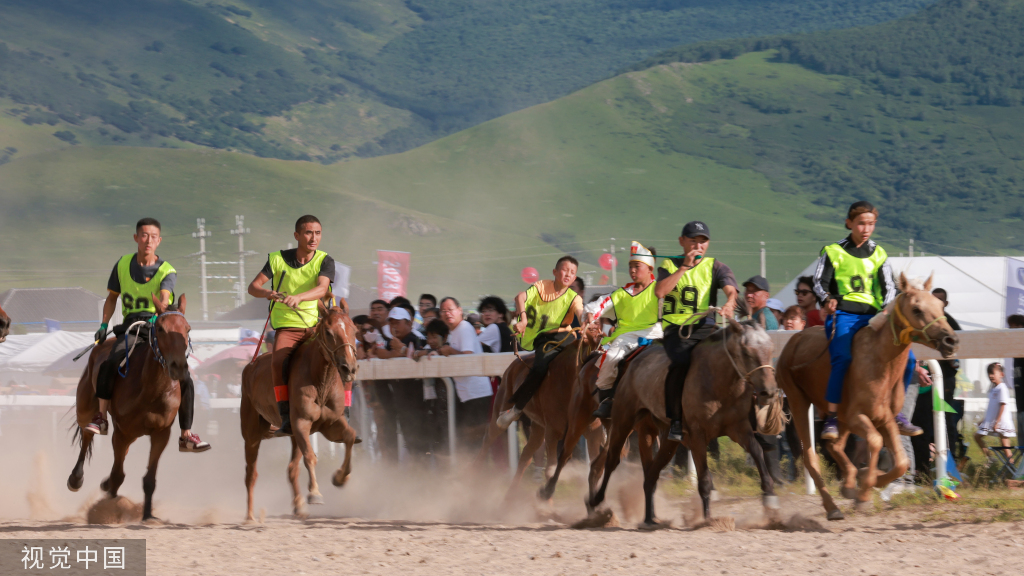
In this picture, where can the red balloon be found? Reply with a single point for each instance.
(530, 275)
(607, 261)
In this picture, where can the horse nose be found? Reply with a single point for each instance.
(950, 343)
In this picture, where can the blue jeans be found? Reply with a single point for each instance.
(847, 324)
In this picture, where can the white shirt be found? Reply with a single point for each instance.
(463, 338)
(997, 396)
(490, 336)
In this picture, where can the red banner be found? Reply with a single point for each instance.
(392, 274)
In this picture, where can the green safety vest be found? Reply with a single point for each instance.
(543, 316)
(296, 281)
(633, 312)
(691, 296)
(135, 297)
(855, 277)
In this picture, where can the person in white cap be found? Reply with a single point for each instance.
(635, 305)
(404, 340)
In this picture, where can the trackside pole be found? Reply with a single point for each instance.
(807, 473)
(939, 421)
(513, 448)
(451, 417)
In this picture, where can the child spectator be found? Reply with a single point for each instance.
(437, 337)
(997, 421)
(794, 319)
(431, 314)
(496, 335)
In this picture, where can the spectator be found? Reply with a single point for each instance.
(410, 401)
(472, 410)
(756, 295)
(777, 308)
(427, 302)
(997, 421)
(496, 335)
(1016, 321)
(379, 316)
(431, 314)
(403, 302)
(578, 286)
(949, 370)
(794, 319)
(474, 319)
(806, 299)
(366, 336)
(437, 338)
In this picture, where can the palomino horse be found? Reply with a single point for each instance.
(317, 371)
(730, 384)
(546, 410)
(873, 393)
(145, 401)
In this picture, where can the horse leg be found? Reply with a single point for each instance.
(344, 434)
(863, 427)
(298, 506)
(849, 471)
(301, 428)
(533, 442)
(613, 455)
(120, 443)
(901, 463)
(699, 451)
(552, 445)
(77, 476)
(652, 472)
(252, 451)
(157, 443)
(800, 408)
(768, 497)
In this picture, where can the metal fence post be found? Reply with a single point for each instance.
(450, 385)
(513, 448)
(814, 453)
(939, 420)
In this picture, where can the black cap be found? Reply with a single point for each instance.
(696, 228)
(760, 282)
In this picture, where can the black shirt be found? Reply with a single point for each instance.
(290, 258)
(721, 276)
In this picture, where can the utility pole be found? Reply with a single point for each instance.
(764, 269)
(203, 234)
(911, 247)
(240, 231)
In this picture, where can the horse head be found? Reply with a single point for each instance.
(338, 338)
(750, 351)
(171, 337)
(5, 325)
(918, 316)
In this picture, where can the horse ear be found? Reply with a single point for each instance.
(901, 282)
(928, 283)
(735, 326)
(343, 304)
(160, 308)
(322, 308)
(181, 303)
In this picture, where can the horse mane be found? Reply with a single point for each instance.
(719, 334)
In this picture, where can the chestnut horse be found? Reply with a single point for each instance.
(730, 385)
(546, 410)
(144, 403)
(317, 371)
(5, 325)
(873, 392)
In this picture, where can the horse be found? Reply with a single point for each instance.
(730, 386)
(546, 410)
(145, 400)
(873, 392)
(5, 325)
(317, 371)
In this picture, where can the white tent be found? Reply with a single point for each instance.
(43, 350)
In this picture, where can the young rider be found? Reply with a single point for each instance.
(853, 282)
(300, 276)
(689, 285)
(544, 315)
(135, 279)
(635, 305)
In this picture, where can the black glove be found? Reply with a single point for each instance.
(101, 334)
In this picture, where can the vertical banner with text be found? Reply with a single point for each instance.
(392, 274)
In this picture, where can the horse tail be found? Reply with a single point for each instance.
(772, 419)
(76, 438)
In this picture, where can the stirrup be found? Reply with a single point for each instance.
(604, 409)
(675, 431)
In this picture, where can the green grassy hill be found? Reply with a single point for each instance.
(330, 79)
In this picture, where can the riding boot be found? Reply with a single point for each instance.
(604, 409)
(675, 431)
(286, 420)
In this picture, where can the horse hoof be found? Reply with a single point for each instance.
(300, 513)
(654, 525)
(836, 514)
(850, 493)
(74, 483)
(339, 479)
(771, 502)
(105, 484)
(358, 440)
(864, 506)
(316, 499)
(544, 493)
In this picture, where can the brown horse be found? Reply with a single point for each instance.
(5, 325)
(546, 410)
(729, 386)
(144, 402)
(317, 372)
(873, 392)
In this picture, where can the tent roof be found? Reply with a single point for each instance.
(976, 285)
(47, 348)
(62, 304)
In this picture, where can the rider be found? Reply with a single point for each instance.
(135, 279)
(635, 305)
(853, 282)
(300, 277)
(544, 315)
(689, 285)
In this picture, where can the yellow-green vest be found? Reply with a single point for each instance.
(691, 295)
(296, 281)
(856, 277)
(543, 316)
(135, 297)
(633, 312)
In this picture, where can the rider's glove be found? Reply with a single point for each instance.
(151, 319)
(101, 334)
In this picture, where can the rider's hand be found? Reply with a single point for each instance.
(274, 295)
(830, 306)
(728, 310)
(519, 327)
(101, 334)
(291, 301)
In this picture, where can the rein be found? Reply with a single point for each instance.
(906, 336)
(743, 377)
(154, 343)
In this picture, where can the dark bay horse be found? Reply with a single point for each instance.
(145, 401)
(873, 393)
(730, 386)
(5, 325)
(546, 410)
(317, 371)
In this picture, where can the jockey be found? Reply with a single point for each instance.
(300, 277)
(135, 279)
(689, 285)
(635, 305)
(853, 282)
(544, 315)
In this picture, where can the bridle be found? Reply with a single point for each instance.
(154, 343)
(906, 335)
(330, 353)
(743, 377)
